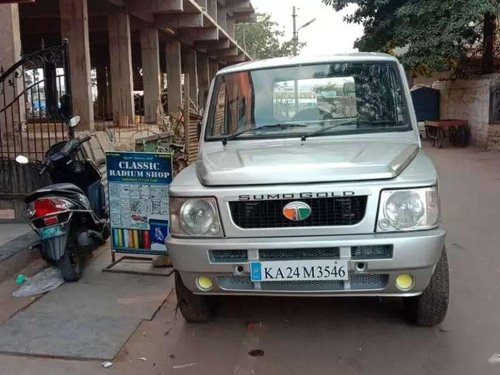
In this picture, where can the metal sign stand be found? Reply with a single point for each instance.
(138, 207)
(115, 262)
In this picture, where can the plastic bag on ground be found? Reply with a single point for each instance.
(42, 282)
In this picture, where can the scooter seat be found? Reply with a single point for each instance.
(56, 189)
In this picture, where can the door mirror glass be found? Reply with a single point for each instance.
(21, 159)
(74, 121)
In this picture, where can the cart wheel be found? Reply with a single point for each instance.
(462, 136)
(453, 134)
(438, 141)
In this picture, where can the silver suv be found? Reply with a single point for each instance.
(310, 181)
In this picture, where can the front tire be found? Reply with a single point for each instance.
(194, 308)
(70, 265)
(429, 308)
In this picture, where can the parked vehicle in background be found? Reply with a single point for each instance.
(331, 199)
(70, 216)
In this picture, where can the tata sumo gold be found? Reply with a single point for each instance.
(310, 181)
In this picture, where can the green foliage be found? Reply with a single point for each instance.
(432, 35)
(261, 39)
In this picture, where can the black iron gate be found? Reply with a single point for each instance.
(35, 101)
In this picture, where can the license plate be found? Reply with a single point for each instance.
(50, 232)
(299, 270)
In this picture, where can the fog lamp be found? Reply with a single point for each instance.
(204, 283)
(404, 282)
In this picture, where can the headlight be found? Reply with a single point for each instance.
(409, 209)
(195, 217)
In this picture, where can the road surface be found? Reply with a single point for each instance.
(339, 336)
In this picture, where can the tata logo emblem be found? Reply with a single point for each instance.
(297, 211)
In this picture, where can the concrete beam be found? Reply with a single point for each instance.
(155, 6)
(190, 66)
(199, 34)
(233, 51)
(238, 6)
(213, 45)
(179, 20)
(174, 71)
(150, 52)
(122, 83)
(75, 28)
(234, 59)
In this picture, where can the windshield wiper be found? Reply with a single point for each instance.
(328, 128)
(265, 127)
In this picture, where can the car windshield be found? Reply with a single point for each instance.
(329, 99)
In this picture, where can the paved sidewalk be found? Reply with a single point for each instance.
(9, 232)
(16, 241)
(89, 319)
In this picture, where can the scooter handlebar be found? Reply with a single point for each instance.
(85, 139)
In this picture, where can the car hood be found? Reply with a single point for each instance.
(308, 162)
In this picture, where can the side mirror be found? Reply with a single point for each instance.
(21, 159)
(74, 121)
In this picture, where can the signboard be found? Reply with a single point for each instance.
(138, 201)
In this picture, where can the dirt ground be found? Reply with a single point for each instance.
(338, 336)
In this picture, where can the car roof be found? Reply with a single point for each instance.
(303, 60)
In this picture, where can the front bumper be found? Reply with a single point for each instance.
(415, 253)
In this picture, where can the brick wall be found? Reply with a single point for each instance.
(469, 99)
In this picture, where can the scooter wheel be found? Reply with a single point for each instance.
(70, 265)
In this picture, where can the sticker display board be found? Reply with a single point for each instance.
(138, 185)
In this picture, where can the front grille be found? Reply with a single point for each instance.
(324, 212)
(299, 254)
(357, 282)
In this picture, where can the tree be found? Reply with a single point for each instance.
(430, 35)
(261, 39)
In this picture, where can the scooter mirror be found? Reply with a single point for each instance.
(74, 121)
(21, 159)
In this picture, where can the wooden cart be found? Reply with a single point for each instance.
(455, 130)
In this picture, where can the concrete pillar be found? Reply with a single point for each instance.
(10, 35)
(230, 27)
(10, 42)
(121, 66)
(102, 92)
(190, 66)
(222, 18)
(212, 8)
(202, 3)
(174, 89)
(75, 27)
(203, 78)
(150, 52)
(213, 68)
